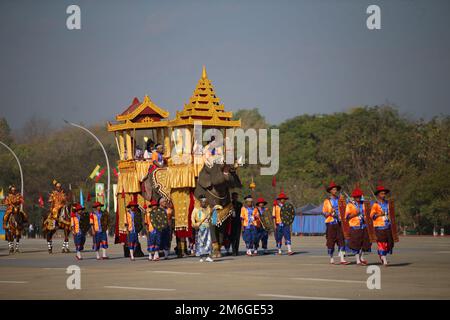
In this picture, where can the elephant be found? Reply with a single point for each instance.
(215, 182)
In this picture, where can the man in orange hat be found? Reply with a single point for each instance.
(153, 234)
(261, 234)
(382, 224)
(282, 229)
(97, 220)
(359, 236)
(79, 236)
(248, 224)
(130, 224)
(334, 234)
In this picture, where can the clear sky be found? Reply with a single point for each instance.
(284, 57)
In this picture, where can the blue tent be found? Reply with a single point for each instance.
(309, 221)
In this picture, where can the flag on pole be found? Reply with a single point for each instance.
(81, 197)
(95, 172)
(99, 175)
(274, 181)
(88, 197)
(41, 201)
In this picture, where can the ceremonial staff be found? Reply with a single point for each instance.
(20, 169)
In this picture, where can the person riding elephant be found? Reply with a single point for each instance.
(215, 181)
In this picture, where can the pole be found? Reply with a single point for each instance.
(20, 169)
(106, 157)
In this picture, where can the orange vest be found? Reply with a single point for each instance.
(129, 222)
(328, 208)
(75, 223)
(276, 214)
(95, 222)
(380, 220)
(257, 217)
(355, 221)
(244, 217)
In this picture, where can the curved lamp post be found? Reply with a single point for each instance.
(106, 157)
(20, 169)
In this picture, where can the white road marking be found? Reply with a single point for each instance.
(176, 272)
(137, 288)
(8, 281)
(297, 297)
(328, 280)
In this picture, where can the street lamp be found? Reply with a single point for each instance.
(106, 157)
(20, 169)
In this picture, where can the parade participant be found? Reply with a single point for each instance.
(99, 225)
(166, 233)
(130, 224)
(201, 217)
(283, 215)
(157, 158)
(13, 201)
(382, 224)
(79, 236)
(261, 233)
(58, 201)
(359, 236)
(248, 224)
(235, 223)
(154, 227)
(334, 234)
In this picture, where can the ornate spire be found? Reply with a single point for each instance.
(204, 75)
(205, 105)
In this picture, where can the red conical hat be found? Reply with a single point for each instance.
(333, 185)
(78, 206)
(381, 188)
(261, 199)
(357, 192)
(282, 195)
(97, 204)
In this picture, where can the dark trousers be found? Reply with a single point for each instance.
(235, 235)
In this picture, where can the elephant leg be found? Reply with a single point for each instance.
(215, 239)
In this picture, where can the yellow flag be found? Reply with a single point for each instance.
(94, 172)
(2, 195)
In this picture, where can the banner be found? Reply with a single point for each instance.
(100, 193)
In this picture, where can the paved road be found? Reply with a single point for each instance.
(419, 270)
